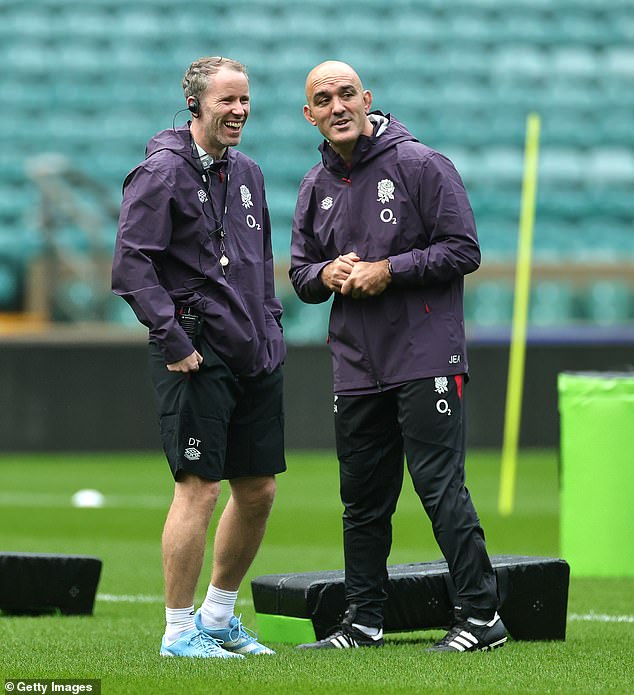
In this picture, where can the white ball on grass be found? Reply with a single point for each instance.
(88, 498)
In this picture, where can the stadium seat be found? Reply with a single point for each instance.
(498, 236)
(503, 165)
(556, 240)
(576, 62)
(613, 201)
(522, 61)
(609, 302)
(613, 164)
(76, 300)
(488, 303)
(422, 28)
(493, 203)
(615, 128)
(582, 28)
(96, 21)
(9, 285)
(522, 25)
(571, 128)
(252, 22)
(562, 164)
(30, 22)
(619, 60)
(551, 303)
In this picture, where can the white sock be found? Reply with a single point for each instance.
(373, 632)
(218, 607)
(178, 621)
(489, 623)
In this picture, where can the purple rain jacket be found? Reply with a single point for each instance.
(403, 201)
(167, 256)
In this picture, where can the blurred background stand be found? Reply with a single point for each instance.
(69, 281)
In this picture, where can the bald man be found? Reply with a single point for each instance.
(384, 224)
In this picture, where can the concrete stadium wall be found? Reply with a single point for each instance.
(70, 396)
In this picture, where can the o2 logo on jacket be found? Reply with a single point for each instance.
(252, 223)
(385, 192)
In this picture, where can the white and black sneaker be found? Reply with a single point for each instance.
(347, 636)
(467, 637)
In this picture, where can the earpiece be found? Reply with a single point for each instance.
(194, 107)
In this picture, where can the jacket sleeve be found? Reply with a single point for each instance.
(144, 234)
(271, 302)
(453, 249)
(307, 255)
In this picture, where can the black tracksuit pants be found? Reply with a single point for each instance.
(423, 420)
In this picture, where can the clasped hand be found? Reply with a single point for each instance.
(349, 275)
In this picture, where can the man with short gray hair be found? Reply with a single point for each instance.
(193, 259)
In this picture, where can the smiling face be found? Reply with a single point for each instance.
(338, 105)
(224, 109)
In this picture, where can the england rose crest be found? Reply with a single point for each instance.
(385, 191)
(245, 194)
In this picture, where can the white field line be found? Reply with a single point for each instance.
(129, 598)
(142, 598)
(58, 500)
(601, 618)
(573, 617)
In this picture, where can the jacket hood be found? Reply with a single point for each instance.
(180, 142)
(388, 132)
(177, 140)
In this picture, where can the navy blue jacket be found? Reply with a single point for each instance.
(168, 249)
(400, 200)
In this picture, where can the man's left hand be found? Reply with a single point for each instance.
(367, 279)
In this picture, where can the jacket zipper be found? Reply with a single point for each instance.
(232, 249)
(226, 238)
(377, 381)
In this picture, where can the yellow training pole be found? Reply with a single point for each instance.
(515, 382)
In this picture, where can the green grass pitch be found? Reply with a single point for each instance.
(120, 643)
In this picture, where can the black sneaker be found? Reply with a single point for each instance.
(346, 637)
(467, 637)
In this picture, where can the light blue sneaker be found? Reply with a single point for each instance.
(196, 643)
(236, 638)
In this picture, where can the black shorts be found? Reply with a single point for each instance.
(216, 425)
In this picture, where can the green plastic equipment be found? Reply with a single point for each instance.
(597, 466)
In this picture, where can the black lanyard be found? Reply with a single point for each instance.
(218, 219)
(216, 170)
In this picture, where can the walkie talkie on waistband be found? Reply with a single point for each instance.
(190, 322)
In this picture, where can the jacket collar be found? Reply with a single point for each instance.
(363, 147)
